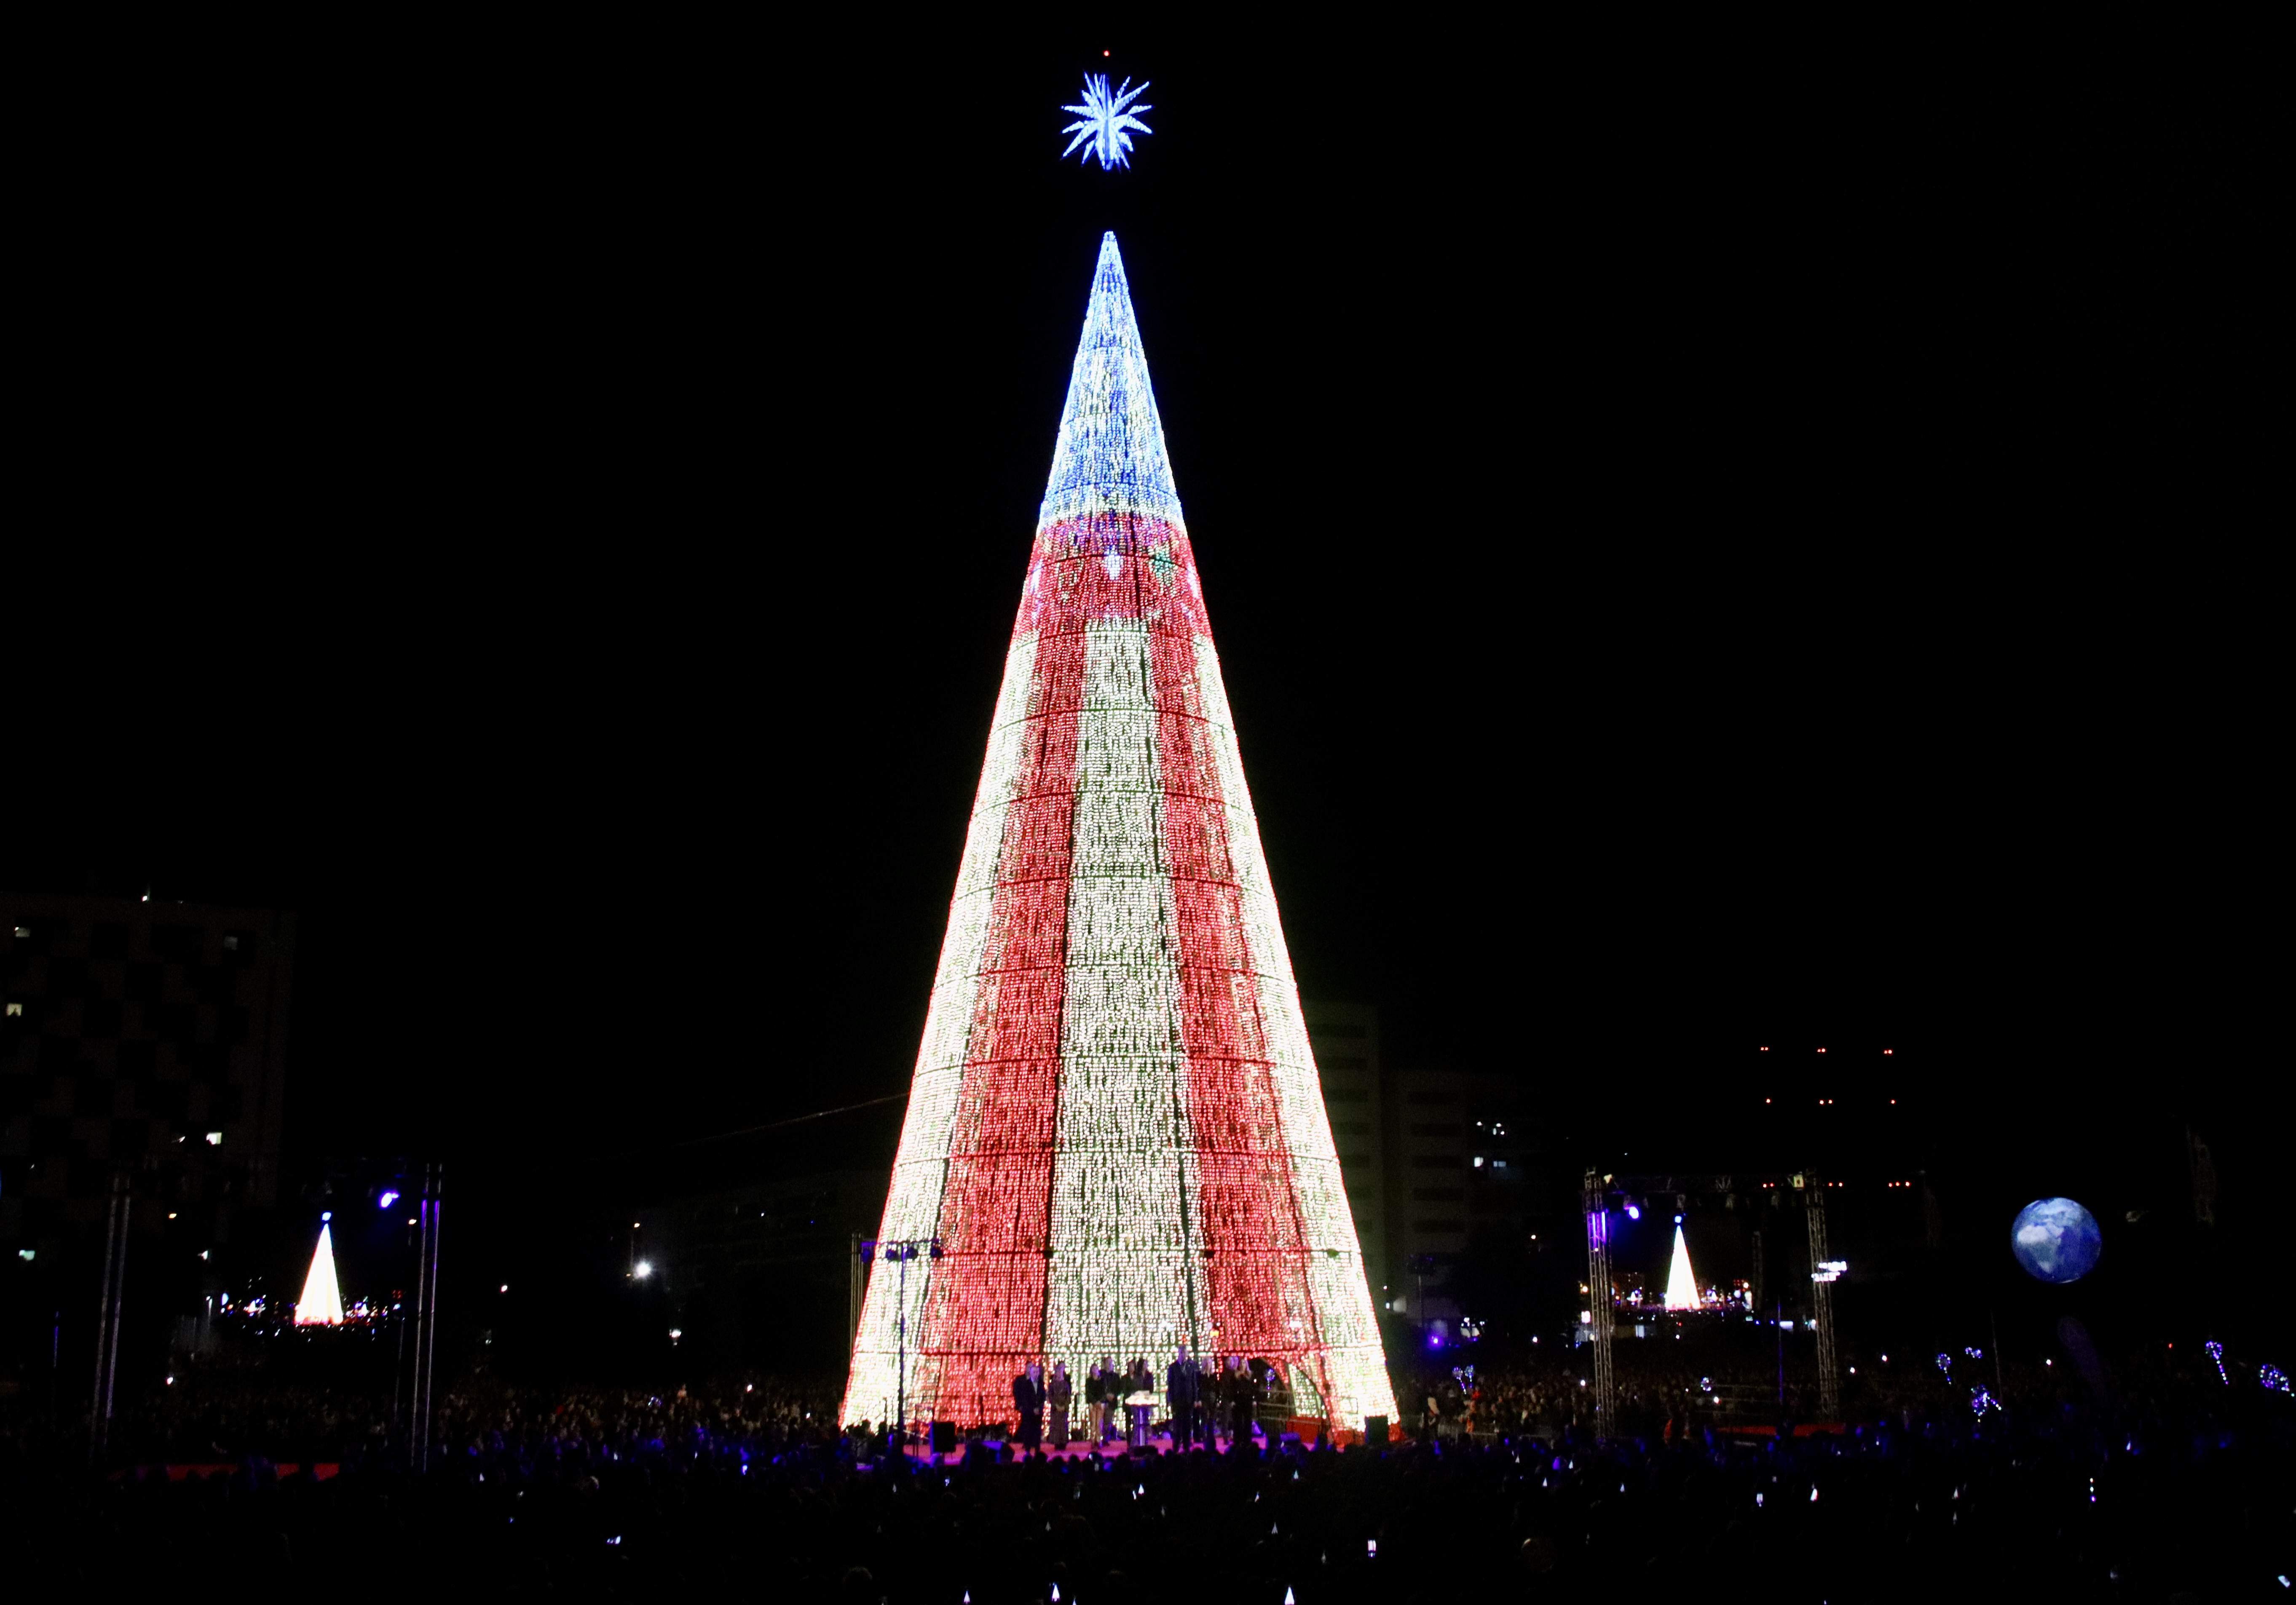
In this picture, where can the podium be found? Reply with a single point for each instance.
(1139, 1407)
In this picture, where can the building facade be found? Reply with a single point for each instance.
(1345, 1040)
(142, 1040)
(1467, 1170)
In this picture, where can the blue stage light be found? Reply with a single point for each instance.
(1634, 1212)
(389, 1197)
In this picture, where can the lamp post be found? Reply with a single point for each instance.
(900, 1251)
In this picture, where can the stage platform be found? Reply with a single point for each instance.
(1160, 1444)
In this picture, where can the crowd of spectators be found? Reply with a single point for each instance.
(2171, 1482)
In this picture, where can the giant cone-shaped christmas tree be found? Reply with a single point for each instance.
(1115, 1131)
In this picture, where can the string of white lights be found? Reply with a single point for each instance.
(1115, 1131)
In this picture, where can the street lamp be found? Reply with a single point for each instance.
(900, 1251)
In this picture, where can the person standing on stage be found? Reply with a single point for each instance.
(1242, 1396)
(1100, 1388)
(1028, 1400)
(1182, 1386)
(1208, 1381)
(1058, 1391)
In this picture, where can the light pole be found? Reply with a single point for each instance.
(426, 1312)
(900, 1251)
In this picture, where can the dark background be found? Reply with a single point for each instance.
(1712, 540)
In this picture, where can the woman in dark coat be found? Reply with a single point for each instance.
(1242, 1398)
(1058, 1391)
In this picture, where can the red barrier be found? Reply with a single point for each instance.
(321, 1470)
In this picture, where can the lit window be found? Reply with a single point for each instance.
(215, 1138)
(23, 933)
(1479, 1161)
(231, 944)
(15, 1010)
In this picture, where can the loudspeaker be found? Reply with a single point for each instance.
(1375, 1432)
(944, 1438)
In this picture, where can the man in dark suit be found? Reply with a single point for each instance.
(1183, 1387)
(1028, 1400)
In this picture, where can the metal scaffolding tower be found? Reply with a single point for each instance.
(1598, 1301)
(1821, 1296)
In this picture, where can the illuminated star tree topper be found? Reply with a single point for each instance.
(1103, 119)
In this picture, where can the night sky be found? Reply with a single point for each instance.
(1707, 547)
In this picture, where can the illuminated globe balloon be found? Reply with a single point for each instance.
(2056, 1239)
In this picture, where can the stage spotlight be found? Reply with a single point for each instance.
(326, 1214)
(643, 1269)
(389, 1197)
(1634, 1212)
